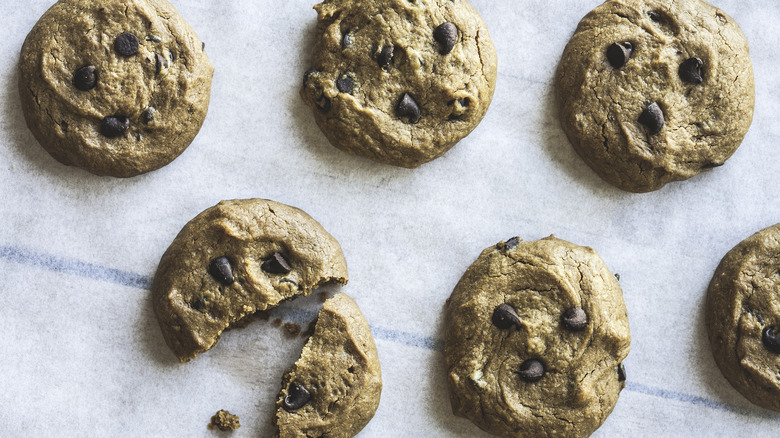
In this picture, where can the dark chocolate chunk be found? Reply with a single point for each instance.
(222, 271)
(505, 317)
(322, 101)
(85, 78)
(446, 35)
(160, 62)
(346, 41)
(531, 370)
(655, 16)
(617, 276)
(408, 108)
(297, 396)
(385, 56)
(653, 118)
(574, 319)
(114, 126)
(621, 372)
(198, 304)
(308, 75)
(153, 38)
(771, 338)
(690, 70)
(513, 242)
(126, 44)
(345, 83)
(148, 115)
(276, 264)
(619, 53)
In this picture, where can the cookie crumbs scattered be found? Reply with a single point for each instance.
(277, 322)
(323, 296)
(224, 420)
(292, 328)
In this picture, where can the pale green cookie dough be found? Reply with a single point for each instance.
(159, 94)
(389, 84)
(743, 317)
(234, 259)
(705, 117)
(551, 365)
(333, 390)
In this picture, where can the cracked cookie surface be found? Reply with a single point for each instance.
(535, 336)
(114, 87)
(234, 259)
(685, 58)
(333, 390)
(743, 317)
(399, 81)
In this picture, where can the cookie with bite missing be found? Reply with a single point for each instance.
(333, 389)
(399, 81)
(234, 259)
(743, 317)
(535, 337)
(114, 87)
(655, 91)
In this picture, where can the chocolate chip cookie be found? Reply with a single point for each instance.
(536, 333)
(333, 390)
(235, 259)
(653, 91)
(743, 317)
(114, 87)
(399, 81)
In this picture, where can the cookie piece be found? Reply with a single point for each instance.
(334, 387)
(399, 81)
(652, 91)
(743, 317)
(234, 259)
(224, 421)
(535, 336)
(114, 87)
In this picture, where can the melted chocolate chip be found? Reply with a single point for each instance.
(655, 16)
(297, 396)
(385, 56)
(617, 276)
(653, 118)
(160, 63)
(531, 370)
(346, 41)
(148, 115)
(114, 126)
(771, 338)
(276, 264)
(222, 271)
(621, 372)
(505, 317)
(345, 83)
(446, 34)
(85, 78)
(619, 53)
(126, 44)
(513, 242)
(198, 304)
(575, 319)
(690, 70)
(408, 108)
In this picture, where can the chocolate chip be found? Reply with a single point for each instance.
(297, 396)
(653, 118)
(153, 38)
(276, 264)
(222, 271)
(198, 304)
(322, 101)
(126, 44)
(114, 126)
(408, 108)
(771, 339)
(574, 319)
(309, 73)
(505, 317)
(619, 53)
(385, 56)
(531, 370)
(655, 16)
(160, 62)
(690, 70)
(446, 34)
(345, 83)
(148, 115)
(621, 372)
(346, 41)
(513, 242)
(85, 78)
(617, 276)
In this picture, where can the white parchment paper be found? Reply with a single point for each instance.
(82, 355)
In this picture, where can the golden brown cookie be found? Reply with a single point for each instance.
(535, 336)
(333, 390)
(743, 317)
(115, 87)
(654, 91)
(235, 259)
(399, 81)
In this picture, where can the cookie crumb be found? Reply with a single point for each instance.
(323, 296)
(224, 420)
(309, 329)
(277, 322)
(292, 328)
